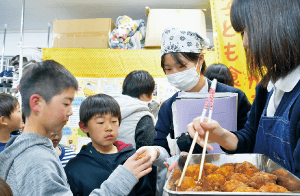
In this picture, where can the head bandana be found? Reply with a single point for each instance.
(178, 40)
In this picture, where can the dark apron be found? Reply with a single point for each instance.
(273, 139)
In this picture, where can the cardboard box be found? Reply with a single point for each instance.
(159, 19)
(82, 33)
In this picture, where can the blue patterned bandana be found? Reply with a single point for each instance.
(178, 40)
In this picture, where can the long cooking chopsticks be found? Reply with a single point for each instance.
(210, 98)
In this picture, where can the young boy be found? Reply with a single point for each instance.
(100, 118)
(64, 152)
(29, 163)
(10, 117)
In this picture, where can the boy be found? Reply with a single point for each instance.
(100, 118)
(64, 152)
(10, 117)
(29, 163)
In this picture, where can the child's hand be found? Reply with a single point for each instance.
(139, 167)
(170, 167)
(173, 164)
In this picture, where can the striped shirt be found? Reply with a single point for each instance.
(66, 155)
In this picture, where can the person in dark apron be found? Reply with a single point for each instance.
(270, 30)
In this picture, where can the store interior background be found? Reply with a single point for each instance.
(39, 12)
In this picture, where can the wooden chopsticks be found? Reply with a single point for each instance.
(210, 99)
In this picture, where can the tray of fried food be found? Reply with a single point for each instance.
(236, 174)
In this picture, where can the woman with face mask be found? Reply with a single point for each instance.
(183, 62)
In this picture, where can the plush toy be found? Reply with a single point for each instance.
(129, 34)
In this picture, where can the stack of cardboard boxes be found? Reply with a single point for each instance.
(94, 33)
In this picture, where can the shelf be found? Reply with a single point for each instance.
(109, 63)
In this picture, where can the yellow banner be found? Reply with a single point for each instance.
(229, 48)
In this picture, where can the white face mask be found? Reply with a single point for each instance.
(185, 80)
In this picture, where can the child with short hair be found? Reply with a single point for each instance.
(29, 163)
(10, 117)
(100, 118)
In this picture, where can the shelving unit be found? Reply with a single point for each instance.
(6, 66)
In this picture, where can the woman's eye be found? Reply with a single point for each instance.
(100, 123)
(66, 104)
(114, 121)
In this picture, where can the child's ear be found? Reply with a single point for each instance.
(82, 127)
(34, 102)
(2, 121)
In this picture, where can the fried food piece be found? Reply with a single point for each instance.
(261, 178)
(284, 179)
(239, 177)
(209, 168)
(231, 185)
(176, 175)
(213, 182)
(228, 164)
(271, 187)
(200, 182)
(141, 156)
(246, 168)
(245, 189)
(196, 189)
(171, 186)
(226, 171)
(193, 171)
(187, 182)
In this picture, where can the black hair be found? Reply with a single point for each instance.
(273, 36)
(220, 72)
(8, 104)
(98, 104)
(47, 79)
(5, 189)
(23, 117)
(138, 83)
(177, 56)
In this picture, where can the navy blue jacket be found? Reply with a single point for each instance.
(164, 124)
(247, 136)
(88, 170)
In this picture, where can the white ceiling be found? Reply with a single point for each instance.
(39, 12)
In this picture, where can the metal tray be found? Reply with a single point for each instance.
(262, 162)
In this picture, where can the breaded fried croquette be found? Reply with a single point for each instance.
(193, 171)
(141, 156)
(187, 182)
(176, 175)
(228, 164)
(226, 171)
(209, 168)
(246, 168)
(245, 189)
(271, 187)
(239, 177)
(231, 185)
(213, 182)
(261, 178)
(196, 189)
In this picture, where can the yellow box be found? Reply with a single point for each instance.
(82, 33)
(159, 19)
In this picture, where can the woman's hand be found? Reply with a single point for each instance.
(216, 132)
